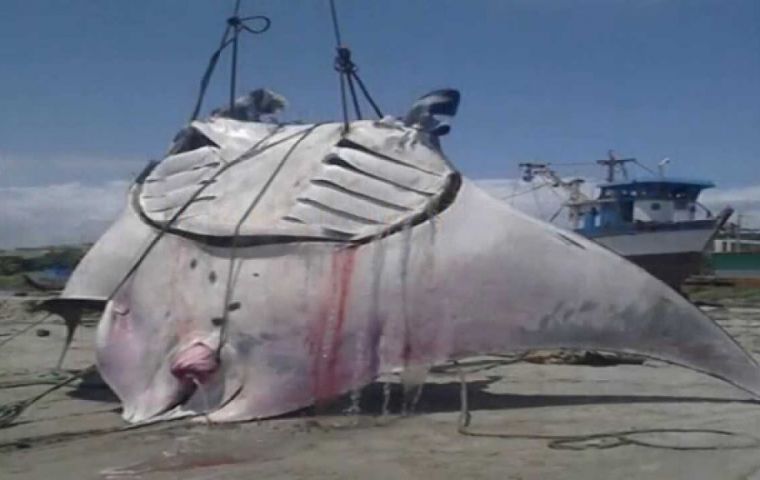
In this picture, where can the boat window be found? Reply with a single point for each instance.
(655, 206)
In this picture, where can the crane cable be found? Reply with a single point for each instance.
(236, 25)
(347, 71)
(524, 192)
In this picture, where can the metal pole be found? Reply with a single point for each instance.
(738, 233)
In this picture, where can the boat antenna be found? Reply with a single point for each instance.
(236, 25)
(661, 166)
(347, 71)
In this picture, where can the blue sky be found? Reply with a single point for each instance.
(549, 79)
(91, 90)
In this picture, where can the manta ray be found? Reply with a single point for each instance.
(259, 268)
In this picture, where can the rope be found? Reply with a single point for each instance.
(11, 411)
(51, 377)
(620, 438)
(556, 214)
(236, 233)
(347, 70)
(477, 366)
(61, 437)
(336, 27)
(24, 330)
(368, 96)
(343, 105)
(234, 22)
(644, 167)
(236, 26)
(206, 78)
(561, 207)
(357, 109)
(573, 164)
(247, 155)
(250, 153)
(524, 192)
(581, 442)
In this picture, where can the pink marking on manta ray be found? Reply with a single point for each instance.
(325, 358)
(345, 271)
(315, 341)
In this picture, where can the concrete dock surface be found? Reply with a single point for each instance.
(529, 421)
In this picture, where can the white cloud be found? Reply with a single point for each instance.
(30, 170)
(58, 214)
(744, 200)
(75, 212)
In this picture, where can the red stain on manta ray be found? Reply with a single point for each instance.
(326, 333)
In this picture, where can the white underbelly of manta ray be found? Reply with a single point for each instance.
(276, 266)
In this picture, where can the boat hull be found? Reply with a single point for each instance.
(659, 241)
(670, 252)
(671, 268)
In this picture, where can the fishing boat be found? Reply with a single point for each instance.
(655, 221)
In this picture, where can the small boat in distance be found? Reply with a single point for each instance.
(656, 221)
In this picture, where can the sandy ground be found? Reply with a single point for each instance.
(76, 432)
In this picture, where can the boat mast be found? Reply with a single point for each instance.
(612, 163)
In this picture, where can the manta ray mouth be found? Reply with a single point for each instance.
(195, 364)
(202, 376)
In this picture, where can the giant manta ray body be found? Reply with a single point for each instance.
(279, 265)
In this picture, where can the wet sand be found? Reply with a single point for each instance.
(76, 432)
